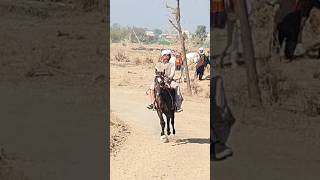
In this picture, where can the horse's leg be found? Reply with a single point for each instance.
(168, 124)
(172, 123)
(162, 123)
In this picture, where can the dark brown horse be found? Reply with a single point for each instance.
(164, 103)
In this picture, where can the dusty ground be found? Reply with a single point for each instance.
(280, 140)
(8, 169)
(52, 90)
(119, 132)
(269, 142)
(143, 156)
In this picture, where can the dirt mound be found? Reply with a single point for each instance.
(7, 168)
(119, 132)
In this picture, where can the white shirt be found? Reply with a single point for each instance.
(168, 68)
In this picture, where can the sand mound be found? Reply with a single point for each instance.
(119, 132)
(7, 169)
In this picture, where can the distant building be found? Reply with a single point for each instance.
(170, 37)
(150, 33)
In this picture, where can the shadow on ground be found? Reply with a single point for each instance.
(192, 140)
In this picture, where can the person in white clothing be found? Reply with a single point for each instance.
(169, 70)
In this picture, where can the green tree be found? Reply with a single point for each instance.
(118, 33)
(201, 33)
(157, 32)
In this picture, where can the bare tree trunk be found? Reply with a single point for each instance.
(136, 35)
(103, 5)
(252, 77)
(177, 26)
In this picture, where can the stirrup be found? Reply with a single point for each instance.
(150, 106)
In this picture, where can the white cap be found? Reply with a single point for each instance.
(201, 50)
(167, 51)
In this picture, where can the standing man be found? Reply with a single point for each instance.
(228, 11)
(221, 119)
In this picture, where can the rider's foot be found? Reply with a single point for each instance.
(150, 106)
(179, 109)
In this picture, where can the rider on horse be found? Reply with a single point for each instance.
(201, 64)
(169, 70)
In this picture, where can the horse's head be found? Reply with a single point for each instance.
(159, 82)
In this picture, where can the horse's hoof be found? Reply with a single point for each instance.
(168, 133)
(164, 139)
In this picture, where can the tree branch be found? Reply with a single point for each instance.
(170, 7)
(174, 25)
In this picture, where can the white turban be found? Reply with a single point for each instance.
(167, 51)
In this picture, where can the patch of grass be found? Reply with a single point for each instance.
(148, 60)
(121, 57)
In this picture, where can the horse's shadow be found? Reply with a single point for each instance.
(192, 141)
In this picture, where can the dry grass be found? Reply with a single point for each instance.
(196, 89)
(119, 132)
(121, 57)
(311, 106)
(140, 59)
(148, 60)
(137, 61)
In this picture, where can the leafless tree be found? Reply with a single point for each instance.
(176, 24)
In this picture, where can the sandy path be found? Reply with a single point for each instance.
(143, 156)
(268, 154)
(51, 132)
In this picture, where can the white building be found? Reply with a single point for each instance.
(150, 33)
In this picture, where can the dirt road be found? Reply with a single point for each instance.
(260, 153)
(45, 138)
(268, 154)
(143, 156)
(52, 106)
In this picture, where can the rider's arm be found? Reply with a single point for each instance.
(172, 71)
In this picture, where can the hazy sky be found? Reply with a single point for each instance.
(153, 14)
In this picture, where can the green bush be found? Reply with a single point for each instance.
(164, 42)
